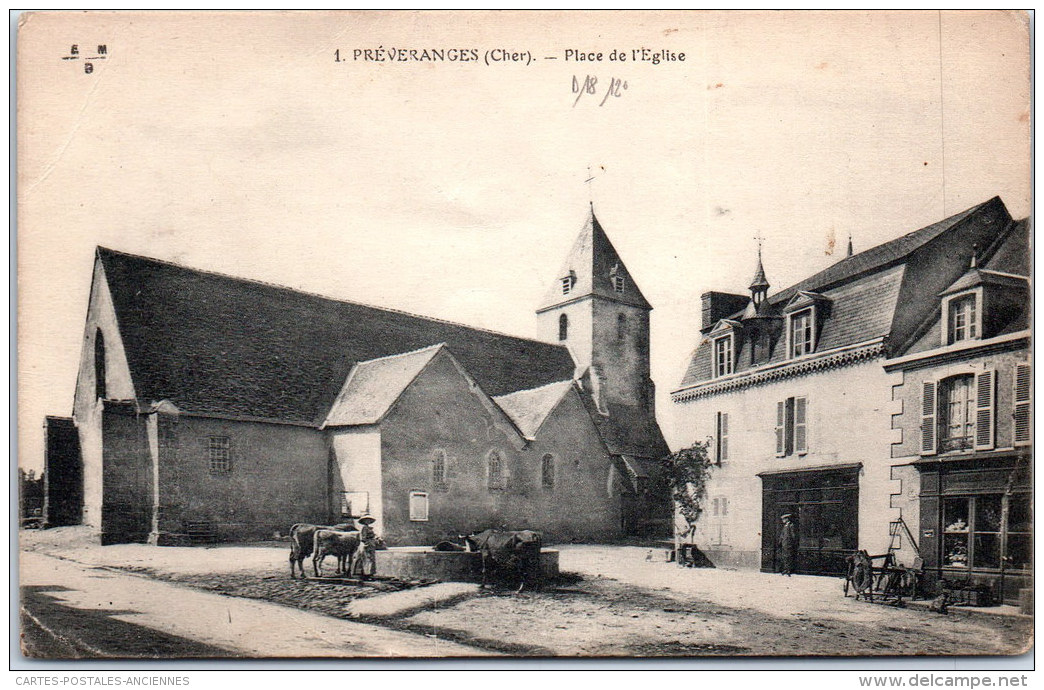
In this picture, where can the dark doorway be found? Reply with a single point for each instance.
(824, 504)
(63, 473)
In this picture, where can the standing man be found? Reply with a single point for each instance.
(368, 544)
(787, 545)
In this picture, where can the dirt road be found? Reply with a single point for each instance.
(72, 611)
(615, 602)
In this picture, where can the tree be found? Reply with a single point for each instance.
(687, 472)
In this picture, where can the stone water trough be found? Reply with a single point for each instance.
(421, 563)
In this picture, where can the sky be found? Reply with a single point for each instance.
(257, 145)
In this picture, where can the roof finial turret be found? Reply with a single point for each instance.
(760, 285)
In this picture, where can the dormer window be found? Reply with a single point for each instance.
(568, 282)
(723, 356)
(963, 318)
(805, 314)
(801, 333)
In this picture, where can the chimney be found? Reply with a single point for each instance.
(718, 305)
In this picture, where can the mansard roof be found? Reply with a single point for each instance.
(1004, 267)
(864, 291)
(593, 263)
(216, 344)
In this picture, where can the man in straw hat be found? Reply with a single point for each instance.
(368, 544)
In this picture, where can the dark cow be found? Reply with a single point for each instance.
(515, 550)
(342, 545)
(302, 538)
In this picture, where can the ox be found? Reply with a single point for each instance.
(508, 550)
(302, 538)
(342, 545)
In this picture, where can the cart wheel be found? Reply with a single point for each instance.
(862, 578)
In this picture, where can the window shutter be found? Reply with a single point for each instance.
(788, 427)
(724, 435)
(781, 420)
(1021, 412)
(717, 438)
(928, 426)
(985, 390)
(800, 425)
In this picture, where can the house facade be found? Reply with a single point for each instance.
(792, 395)
(211, 407)
(964, 417)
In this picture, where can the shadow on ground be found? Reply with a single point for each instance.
(96, 634)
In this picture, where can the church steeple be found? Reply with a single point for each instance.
(760, 285)
(595, 308)
(594, 268)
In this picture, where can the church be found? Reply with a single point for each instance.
(214, 408)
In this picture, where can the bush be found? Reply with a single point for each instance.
(687, 472)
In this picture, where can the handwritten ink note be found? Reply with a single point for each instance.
(589, 87)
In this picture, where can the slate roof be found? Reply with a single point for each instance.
(864, 291)
(529, 408)
(881, 255)
(978, 276)
(1005, 265)
(215, 344)
(594, 262)
(374, 386)
(630, 430)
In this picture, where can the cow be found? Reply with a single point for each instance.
(517, 550)
(302, 538)
(342, 545)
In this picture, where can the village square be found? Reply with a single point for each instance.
(864, 433)
(576, 335)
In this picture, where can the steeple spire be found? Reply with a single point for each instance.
(760, 285)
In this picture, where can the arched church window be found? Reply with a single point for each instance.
(495, 472)
(438, 467)
(99, 364)
(547, 471)
(621, 326)
(563, 327)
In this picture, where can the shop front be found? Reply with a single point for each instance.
(824, 504)
(976, 521)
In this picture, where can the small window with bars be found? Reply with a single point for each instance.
(438, 468)
(219, 454)
(618, 284)
(568, 282)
